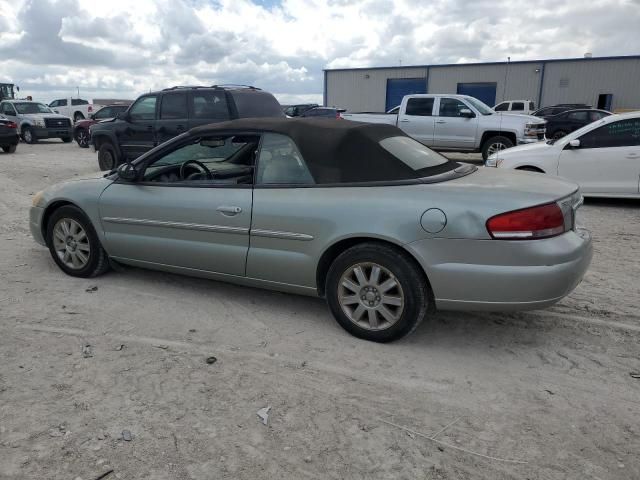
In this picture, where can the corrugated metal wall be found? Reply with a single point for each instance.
(584, 80)
(522, 80)
(351, 89)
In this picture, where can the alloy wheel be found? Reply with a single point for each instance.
(495, 148)
(82, 138)
(371, 296)
(71, 243)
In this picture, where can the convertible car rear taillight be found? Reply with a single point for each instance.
(543, 221)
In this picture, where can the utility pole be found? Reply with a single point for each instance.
(506, 73)
(78, 91)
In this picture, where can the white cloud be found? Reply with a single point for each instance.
(123, 48)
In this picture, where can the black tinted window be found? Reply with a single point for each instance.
(624, 133)
(174, 106)
(532, 106)
(144, 109)
(256, 104)
(450, 107)
(580, 116)
(503, 107)
(105, 112)
(517, 106)
(209, 105)
(7, 109)
(78, 101)
(62, 103)
(420, 107)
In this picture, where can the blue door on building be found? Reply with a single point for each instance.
(399, 87)
(485, 92)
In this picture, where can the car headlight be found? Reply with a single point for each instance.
(37, 198)
(533, 129)
(38, 122)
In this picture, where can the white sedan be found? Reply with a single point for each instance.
(602, 157)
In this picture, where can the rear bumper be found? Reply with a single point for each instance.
(504, 275)
(35, 224)
(42, 132)
(12, 139)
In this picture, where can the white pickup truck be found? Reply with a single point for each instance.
(74, 108)
(458, 123)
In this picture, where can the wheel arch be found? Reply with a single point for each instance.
(100, 139)
(495, 133)
(48, 211)
(335, 249)
(531, 168)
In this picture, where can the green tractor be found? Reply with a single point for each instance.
(7, 91)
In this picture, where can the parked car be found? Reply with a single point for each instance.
(8, 135)
(458, 123)
(602, 157)
(525, 107)
(298, 110)
(559, 108)
(36, 121)
(571, 120)
(380, 225)
(81, 128)
(324, 112)
(75, 108)
(157, 117)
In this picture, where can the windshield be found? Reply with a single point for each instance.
(482, 107)
(31, 107)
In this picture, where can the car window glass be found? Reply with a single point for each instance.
(62, 103)
(174, 106)
(54, 103)
(280, 162)
(420, 107)
(593, 116)
(518, 106)
(103, 113)
(532, 106)
(450, 107)
(502, 107)
(412, 153)
(623, 133)
(144, 109)
(24, 108)
(212, 105)
(78, 101)
(229, 158)
(579, 116)
(256, 104)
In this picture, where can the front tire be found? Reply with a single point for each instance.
(9, 148)
(82, 137)
(107, 158)
(494, 145)
(28, 136)
(377, 292)
(74, 244)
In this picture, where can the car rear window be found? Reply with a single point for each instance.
(256, 104)
(412, 153)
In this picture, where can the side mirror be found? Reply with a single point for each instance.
(574, 143)
(466, 113)
(127, 171)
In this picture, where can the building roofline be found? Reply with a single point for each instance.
(553, 60)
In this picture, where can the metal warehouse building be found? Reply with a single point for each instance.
(612, 83)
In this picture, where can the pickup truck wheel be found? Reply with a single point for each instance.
(28, 136)
(494, 145)
(9, 148)
(559, 134)
(107, 158)
(78, 116)
(82, 137)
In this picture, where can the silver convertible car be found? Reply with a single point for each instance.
(381, 226)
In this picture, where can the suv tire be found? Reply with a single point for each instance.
(107, 158)
(9, 148)
(385, 300)
(494, 144)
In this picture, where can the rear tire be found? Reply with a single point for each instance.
(385, 300)
(494, 145)
(107, 159)
(74, 244)
(82, 137)
(28, 136)
(9, 148)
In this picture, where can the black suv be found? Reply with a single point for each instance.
(566, 122)
(157, 117)
(545, 112)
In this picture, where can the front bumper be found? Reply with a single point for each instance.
(56, 132)
(501, 274)
(35, 224)
(527, 140)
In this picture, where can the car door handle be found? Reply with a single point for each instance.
(441, 121)
(229, 211)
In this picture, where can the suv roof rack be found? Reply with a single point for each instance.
(235, 85)
(178, 87)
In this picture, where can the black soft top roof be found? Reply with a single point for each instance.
(336, 151)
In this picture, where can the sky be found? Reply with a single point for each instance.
(122, 48)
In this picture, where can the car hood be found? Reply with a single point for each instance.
(42, 115)
(514, 119)
(526, 149)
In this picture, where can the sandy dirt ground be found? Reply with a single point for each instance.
(540, 395)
